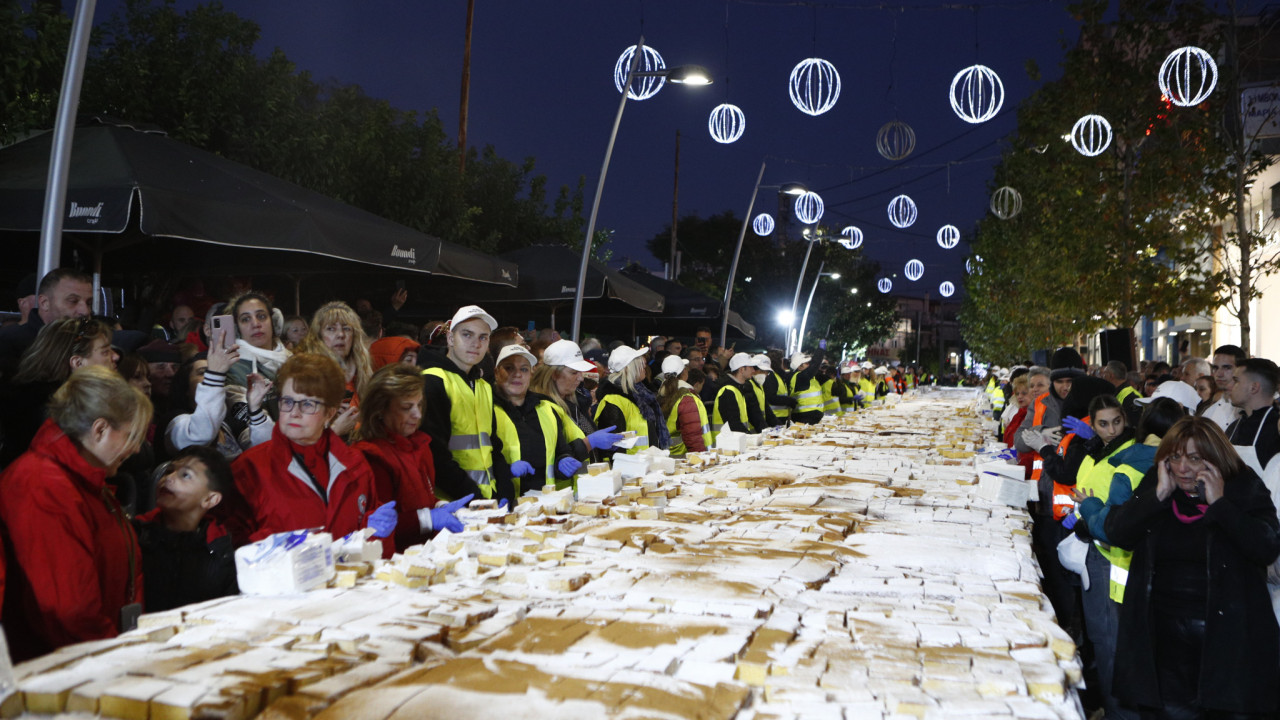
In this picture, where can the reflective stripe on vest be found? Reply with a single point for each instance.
(677, 441)
(1063, 503)
(470, 420)
(717, 420)
(634, 418)
(830, 404)
(810, 400)
(550, 428)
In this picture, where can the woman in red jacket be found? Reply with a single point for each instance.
(305, 476)
(74, 569)
(400, 455)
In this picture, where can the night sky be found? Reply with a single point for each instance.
(542, 85)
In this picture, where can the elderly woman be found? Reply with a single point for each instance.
(62, 346)
(306, 476)
(559, 377)
(550, 447)
(260, 353)
(625, 402)
(72, 560)
(400, 456)
(1197, 632)
(687, 421)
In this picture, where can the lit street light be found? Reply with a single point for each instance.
(805, 320)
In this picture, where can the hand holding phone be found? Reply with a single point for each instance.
(223, 331)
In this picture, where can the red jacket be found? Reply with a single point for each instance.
(404, 471)
(280, 497)
(1011, 435)
(69, 549)
(689, 423)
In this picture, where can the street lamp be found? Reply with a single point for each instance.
(681, 75)
(787, 189)
(805, 320)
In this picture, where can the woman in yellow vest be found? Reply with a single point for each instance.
(687, 421)
(623, 401)
(547, 439)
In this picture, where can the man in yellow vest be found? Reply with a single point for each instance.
(806, 390)
(776, 408)
(732, 411)
(458, 413)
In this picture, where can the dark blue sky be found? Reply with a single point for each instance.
(541, 85)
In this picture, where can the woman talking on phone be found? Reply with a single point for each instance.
(1198, 637)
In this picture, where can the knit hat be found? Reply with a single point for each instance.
(1066, 363)
(388, 351)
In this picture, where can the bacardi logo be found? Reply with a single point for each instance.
(411, 254)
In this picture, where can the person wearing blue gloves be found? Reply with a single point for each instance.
(552, 447)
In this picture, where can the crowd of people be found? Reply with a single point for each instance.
(134, 462)
(1155, 524)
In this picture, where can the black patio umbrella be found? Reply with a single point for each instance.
(184, 193)
(686, 309)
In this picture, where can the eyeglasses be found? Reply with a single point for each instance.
(308, 406)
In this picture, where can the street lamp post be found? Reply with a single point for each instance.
(687, 74)
(805, 319)
(795, 302)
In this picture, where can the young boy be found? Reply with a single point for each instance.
(187, 557)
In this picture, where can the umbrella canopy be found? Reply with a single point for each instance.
(686, 309)
(549, 273)
(186, 193)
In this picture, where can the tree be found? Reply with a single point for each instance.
(33, 48)
(1102, 241)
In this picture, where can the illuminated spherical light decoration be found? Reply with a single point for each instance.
(947, 289)
(851, 237)
(642, 88)
(814, 86)
(1188, 76)
(977, 94)
(973, 265)
(902, 211)
(763, 224)
(896, 140)
(1091, 135)
(914, 270)
(885, 285)
(727, 123)
(809, 208)
(948, 236)
(1006, 203)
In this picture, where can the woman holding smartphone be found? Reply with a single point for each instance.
(1197, 634)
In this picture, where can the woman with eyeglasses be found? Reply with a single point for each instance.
(306, 476)
(1198, 637)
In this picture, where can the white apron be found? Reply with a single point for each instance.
(1249, 453)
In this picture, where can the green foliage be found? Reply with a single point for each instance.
(773, 265)
(195, 75)
(1102, 241)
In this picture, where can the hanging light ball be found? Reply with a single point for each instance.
(727, 123)
(914, 270)
(973, 265)
(642, 88)
(1006, 203)
(809, 208)
(1188, 76)
(895, 141)
(947, 289)
(948, 236)
(851, 237)
(814, 86)
(976, 94)
(885, 285)
(1091, 135)
(902, 211)
(763, 224)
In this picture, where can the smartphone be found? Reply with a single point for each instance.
(224, 331)
(1200, 488)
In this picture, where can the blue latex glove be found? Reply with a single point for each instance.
(860, 397)
(604, 438)
(1069, 522)
(1079, 427)
(568, 466)
(383, 520)
(502, 504)
(443, 518)
(520, 468)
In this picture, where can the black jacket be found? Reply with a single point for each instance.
(533, 442)
(451, 479)
(799, 383)
(180, 568)
(1241, 657)
(611, 415)
(728, 408)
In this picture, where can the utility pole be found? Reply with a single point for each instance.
(673, 271)
(466, 90)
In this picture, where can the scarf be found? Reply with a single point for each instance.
(1192, 509)
(264, 360)
(651, 409)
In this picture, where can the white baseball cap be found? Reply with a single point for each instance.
(511, 350)
(1176, 390)
(763, 362)
(673, 365)
(799, 359)
(882, 370)
(472, 312)
(622, 356)
(568, 354)
(866, 365)
(739, 361)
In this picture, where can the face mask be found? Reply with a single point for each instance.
(760, 379)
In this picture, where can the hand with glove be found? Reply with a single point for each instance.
(503, 503)
(568, 466)
(1033, 439)
(1081, 428)
(520, 468)
(604, 438)
(383, 520)
(443, 516)
(859, 397)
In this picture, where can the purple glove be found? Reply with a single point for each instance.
(568, 466)
(383, 520)
(443, 518)
(1069, 522)
(604, 438)
(1081, 428)
(520, 468)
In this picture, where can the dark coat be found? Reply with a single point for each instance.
(181, 568)
(1241, 658)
